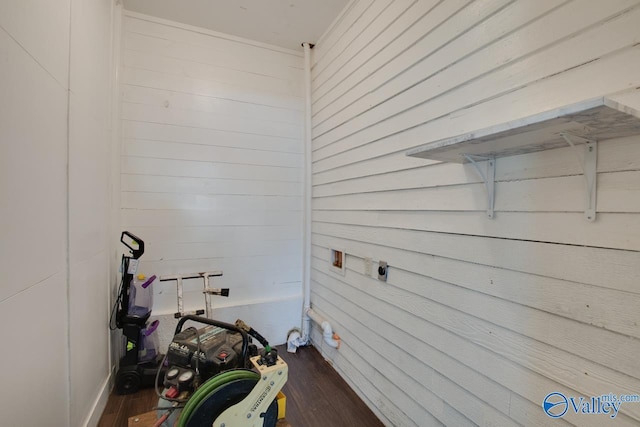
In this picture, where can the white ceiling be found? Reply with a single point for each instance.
(285, 23)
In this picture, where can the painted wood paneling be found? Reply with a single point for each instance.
(146, 59)
(206, 87)
(90, 240)
(535, 76)
(207, 153)
(37, 312)
(29, 153)
(346, 52)
(205, 136)
(205, 120)
(33, 188)
(212, 159)
(208, 169)
(446, 328)
(247, 51)
(31, 23)
(189, 185)
(172, 218)
(352, 77)
(357, 30)
(426, 358)
(54, 156)
(386, 34)
(238, 109)
(614, 155)
(353, 12)
(620, 231)
(482, 318)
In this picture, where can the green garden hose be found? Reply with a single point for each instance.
(209, 387)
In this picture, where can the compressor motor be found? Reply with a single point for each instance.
(207, 351)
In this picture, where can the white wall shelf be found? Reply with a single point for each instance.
(585, 122)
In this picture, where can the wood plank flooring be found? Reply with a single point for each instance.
(316, 397)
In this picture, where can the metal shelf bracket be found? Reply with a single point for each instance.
(489, 178)
(588, 165)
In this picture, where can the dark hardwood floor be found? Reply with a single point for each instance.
(316, 397)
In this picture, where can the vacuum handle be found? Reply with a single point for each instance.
(135, 252)
(228, 326)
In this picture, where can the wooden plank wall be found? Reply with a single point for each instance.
(212, 157)
(55, 133)
(480, 319)
(34, 148)
(92, 85)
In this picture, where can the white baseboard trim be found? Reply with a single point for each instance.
(100, 403)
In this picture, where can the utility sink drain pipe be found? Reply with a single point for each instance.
(306, 238)
(298, 338)
(327, 333)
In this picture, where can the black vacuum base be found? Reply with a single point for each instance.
(133, 377)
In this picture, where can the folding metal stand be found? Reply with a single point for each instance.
(207, 291)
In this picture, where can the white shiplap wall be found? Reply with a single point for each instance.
(93, 25)
(33, 210)
(212, 130)
(480, 319)
(55, 124)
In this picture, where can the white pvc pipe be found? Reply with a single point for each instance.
(329, 337)
(306, 238)
(327, 333)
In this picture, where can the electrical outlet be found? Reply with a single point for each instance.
(368, 267)
(383, 270)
